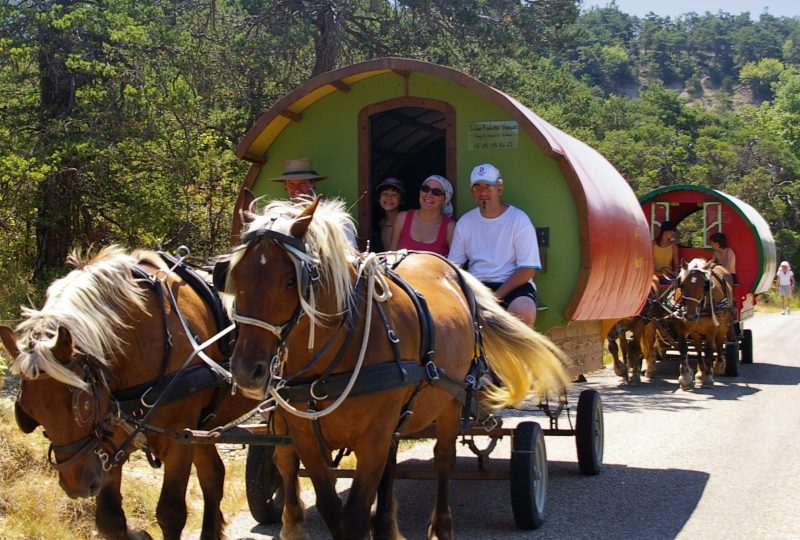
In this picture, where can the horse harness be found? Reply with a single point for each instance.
(134, 406)
(373, 378)
(706, 307)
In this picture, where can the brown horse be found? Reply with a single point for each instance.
(358, 350)
(704, 296)
(109, 331)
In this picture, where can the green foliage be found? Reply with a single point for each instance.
(119, 118)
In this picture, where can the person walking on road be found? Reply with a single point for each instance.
(785, 281)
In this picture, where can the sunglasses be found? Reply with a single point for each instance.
(424, 188)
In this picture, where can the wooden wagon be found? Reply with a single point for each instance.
(699, 212)
(409, 119)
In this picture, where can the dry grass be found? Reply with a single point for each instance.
(33, 506)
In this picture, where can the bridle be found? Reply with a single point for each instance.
(86, 405)
(710, 279)
(307, 273)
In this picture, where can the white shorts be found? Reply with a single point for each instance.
(785, 291)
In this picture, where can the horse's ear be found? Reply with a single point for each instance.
(9, 340)
(684, 264)
(25, 422)
(302, 222)
(62, 348)
(247, 206)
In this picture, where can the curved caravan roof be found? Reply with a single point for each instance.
(746, 230)
(372, 119)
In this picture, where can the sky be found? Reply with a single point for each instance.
(673, 8)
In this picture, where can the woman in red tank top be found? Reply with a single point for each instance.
(430, 228)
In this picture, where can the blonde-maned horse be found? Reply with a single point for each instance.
(704, 296)
(358, 350)
(86, 359)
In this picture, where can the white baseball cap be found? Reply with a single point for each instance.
(486, 173)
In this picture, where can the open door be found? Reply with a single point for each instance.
(410, 139)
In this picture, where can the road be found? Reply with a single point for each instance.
(721, 462)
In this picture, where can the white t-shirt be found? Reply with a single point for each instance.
(785, 278)
(495, 247)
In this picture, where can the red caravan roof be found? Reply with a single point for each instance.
(616, 255)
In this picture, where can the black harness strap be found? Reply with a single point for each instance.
(143, 275)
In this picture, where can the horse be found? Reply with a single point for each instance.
(645, 329)
(99, 367)
(704, 298)
(356, 350)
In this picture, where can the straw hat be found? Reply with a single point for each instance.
(298, 169)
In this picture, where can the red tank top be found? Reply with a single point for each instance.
(439, 245)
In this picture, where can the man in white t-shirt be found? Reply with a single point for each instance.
(785, 280)
(498, 241)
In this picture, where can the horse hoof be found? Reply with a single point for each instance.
(708, 382)
(620, 370)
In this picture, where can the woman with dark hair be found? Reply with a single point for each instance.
(665, 253)
(723, 255)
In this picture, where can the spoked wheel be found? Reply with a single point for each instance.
(589, 432)
(528, 476)
(747, 346)
(264, 485)
(731, 359)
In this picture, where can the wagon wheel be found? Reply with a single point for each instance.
(731, 359)
(528, 476)
(264, 485)
(589, 432)
(747, 346)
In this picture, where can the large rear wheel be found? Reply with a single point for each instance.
(264, 486)
(528, 476)
(589, 432)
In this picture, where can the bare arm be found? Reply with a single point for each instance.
(676, 262)
(519, 277)
(396, 230)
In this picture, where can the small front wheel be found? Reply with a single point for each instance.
(589, 432)
(528, 476)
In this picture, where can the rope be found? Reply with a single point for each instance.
(369, 266)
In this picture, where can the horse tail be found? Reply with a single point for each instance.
(522, 358)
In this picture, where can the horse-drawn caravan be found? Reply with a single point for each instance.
(409, 119)
(319, 333)
(718, 305)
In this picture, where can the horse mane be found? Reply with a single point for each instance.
(699, 264)
(90, 303)
(326, 240)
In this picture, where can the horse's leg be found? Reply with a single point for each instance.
(635, 352)
(372, 454)
(109, 515)
(444, 459)
(171, 508)
(294, 511)
(719, 349)
(625, 351)
(613, 348)
(329, 504)
(211, 475)
(648, 346)
(685, 377)
(384, 522)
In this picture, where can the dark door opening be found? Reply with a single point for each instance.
(409, 143)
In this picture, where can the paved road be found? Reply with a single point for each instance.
(722, 462)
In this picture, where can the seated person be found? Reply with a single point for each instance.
(665, 253)
(499, 242)
(390, 198)
(300, 180)
(724, 255)
(430, 228)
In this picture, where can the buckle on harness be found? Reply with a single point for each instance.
(392, 336)
(432, 370)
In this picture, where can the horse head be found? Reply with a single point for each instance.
(693, 285)
(74, 414)
(61, 354)
(276, 278)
